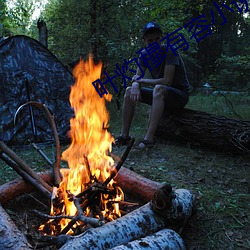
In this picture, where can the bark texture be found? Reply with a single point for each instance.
(43, 32)
(10, 237)
(131, 182)
(167, 209)
(212, 131)
(162, 240)
(140, 187)
(15, 188)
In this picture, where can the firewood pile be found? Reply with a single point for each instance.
(154, 223)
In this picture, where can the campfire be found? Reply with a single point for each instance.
(87, 198)
(87, 188)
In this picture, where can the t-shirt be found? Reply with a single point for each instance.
(180, 79)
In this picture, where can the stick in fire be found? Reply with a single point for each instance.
(90, 198)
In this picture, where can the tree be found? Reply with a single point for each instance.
(4, 22)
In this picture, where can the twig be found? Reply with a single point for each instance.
(52, 217)
(87, 220)
(120, 163)
(38, 201)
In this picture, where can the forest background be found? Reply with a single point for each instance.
(111, 31)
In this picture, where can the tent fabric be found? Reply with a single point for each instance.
(29, 71)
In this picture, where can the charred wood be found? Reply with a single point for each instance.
(140, 187)
(150, 218)
(120, 163)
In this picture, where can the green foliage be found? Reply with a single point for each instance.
(111, 30)
(4, 24)
(232, 71)
(19, 16)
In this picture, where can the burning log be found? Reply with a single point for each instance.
(163, 239)
(10, 237)
(167, 209)
(216, 132)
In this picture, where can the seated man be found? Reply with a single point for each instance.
(168, 89)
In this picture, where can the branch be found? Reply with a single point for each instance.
(24, 166)
(57, 174)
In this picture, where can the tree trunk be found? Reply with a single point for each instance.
(212, 131)
(43, 32)
(10, 237)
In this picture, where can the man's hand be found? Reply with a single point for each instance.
(135, 93)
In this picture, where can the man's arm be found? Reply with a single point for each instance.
(167, 79)
(135, 93)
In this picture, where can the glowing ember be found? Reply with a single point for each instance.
(87, 157)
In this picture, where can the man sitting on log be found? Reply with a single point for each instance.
(168, 89)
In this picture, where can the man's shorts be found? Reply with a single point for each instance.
(175, 99)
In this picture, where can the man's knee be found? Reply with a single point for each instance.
(159, 91)
(127, 92)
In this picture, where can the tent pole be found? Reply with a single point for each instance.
(33, 125)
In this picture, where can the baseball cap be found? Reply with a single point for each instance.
(149, 26)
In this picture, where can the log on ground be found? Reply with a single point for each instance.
(148, 219)
(163, 239)
(10, 237)
(212, 131)
(18, 187)
(137, 185)
(131, 182)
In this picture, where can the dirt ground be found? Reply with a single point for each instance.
(220, 182)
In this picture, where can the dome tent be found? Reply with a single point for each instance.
(29, 71)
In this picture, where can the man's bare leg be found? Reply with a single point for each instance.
(156, 112)
(127, 113)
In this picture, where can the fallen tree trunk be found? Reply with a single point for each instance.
(10, 237)
(163, 239)
(150, 218)
(212, 131)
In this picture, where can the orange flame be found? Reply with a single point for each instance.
(90, 138)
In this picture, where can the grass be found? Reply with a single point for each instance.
(234, 106)
(219, 180)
